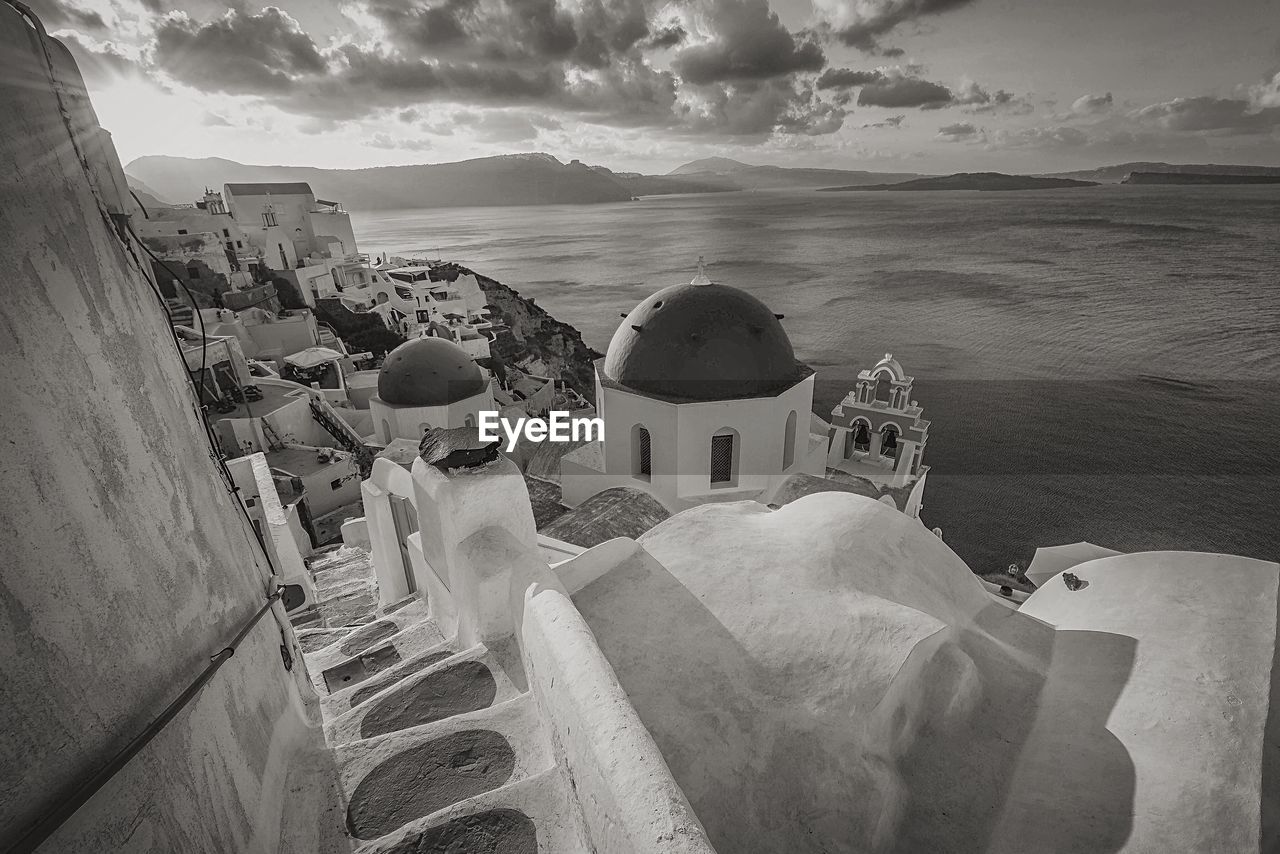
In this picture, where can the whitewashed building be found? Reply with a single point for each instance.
(702, 399)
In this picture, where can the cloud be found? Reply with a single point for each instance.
(1228, 116)
(979, 100)
(844, 78)
(98, 60)
(861, 23)
(890, 122)
(1092, 105)
(957, 132)
(213, 120)
(899, 90)
(666, 37)
(504, 126)
(759, 108)
(1267, 93)
(55, 14)
(749, 43)
(1058, 136)
(386, 141)
(239, 53)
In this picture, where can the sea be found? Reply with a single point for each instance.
(1097, 364)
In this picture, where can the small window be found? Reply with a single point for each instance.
(641, 452)
(789, 440)
(335, 484)
(722, 451)
(269, 219)
(182, 231)
(226, 233)
(239, 245)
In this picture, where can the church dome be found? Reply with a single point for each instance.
(428, 372)
(702, 342)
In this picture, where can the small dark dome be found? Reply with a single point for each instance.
(428, 372)
(702, 342)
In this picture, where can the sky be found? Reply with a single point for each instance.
(645, 85)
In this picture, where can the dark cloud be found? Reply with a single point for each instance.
(1224, 115)
(56, 14)
(757, 108)
(97, 61)
(474, 29)
(749, 43)
(504, 126)
(896, 91)
(589, 65)
(844, 78)
(892, 52)
(860, 23)
(666, 37)
(957, 132)
(238, 53)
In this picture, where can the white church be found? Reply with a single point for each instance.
(703, 400)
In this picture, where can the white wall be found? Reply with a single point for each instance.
(127, 563)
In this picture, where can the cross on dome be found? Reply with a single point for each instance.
(701, 278)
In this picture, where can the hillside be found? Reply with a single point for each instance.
(662, 185)
(518, 179)
(1197, 178)
(741, 176)
(1116, 174)
(532, 333)
(983, 181)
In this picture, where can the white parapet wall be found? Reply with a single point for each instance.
(630, 802)
(479, 560)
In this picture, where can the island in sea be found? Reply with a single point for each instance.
(1197, 178)
(971, 181)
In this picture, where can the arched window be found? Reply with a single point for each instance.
(882, 388)
(897, 398)
(861, 436)
(387, 435)
(469, 421)
(724, 457)
(889, 442)
(789, 441)
(641, 452)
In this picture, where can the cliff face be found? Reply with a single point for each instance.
(533, 335)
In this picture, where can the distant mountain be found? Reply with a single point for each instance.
(147, 196)
(713, 165)
(516, 179)
(741, 176)
(1197, 178)
(662, 185)
(973, 181)
(1116, 174)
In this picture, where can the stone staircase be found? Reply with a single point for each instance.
(435, 748)
(180, 312)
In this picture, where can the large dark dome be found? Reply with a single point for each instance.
(702, 342)
(428, 372)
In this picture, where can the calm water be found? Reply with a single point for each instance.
(1097, 364)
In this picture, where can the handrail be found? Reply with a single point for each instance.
(66, 807)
